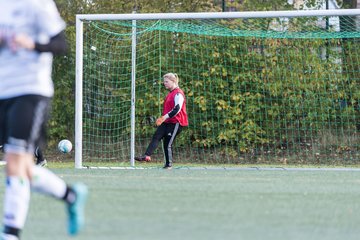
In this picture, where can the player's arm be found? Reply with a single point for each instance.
(56, 45)
(178, 100)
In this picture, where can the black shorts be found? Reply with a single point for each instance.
(22, 122)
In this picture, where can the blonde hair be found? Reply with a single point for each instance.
(172, 77)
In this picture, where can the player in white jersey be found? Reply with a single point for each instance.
(31, 31)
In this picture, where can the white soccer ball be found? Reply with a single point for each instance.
(65, 146)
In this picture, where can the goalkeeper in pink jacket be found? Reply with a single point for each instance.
(170, 124)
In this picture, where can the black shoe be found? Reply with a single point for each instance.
(42, 163)
(167, 166)
(143, 158)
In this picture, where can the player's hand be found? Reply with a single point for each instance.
(24, 41)
(160, 120)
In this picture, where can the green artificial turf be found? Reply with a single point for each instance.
(181, 204)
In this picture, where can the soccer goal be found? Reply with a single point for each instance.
(261, 87)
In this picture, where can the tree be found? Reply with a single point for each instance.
(264, 5)
(349, 3)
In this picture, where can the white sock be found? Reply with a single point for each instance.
(8, 237)
(16, 201)
(44, 181)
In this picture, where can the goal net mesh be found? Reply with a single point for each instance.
(261, 90)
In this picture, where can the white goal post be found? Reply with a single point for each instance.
(79, 105)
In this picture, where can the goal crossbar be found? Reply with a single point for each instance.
(214, 15)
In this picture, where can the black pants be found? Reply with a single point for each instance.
(23, 122)
(167, 132)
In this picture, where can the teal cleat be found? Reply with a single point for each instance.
(76, 210)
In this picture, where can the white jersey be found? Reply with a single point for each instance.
(24, 71)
